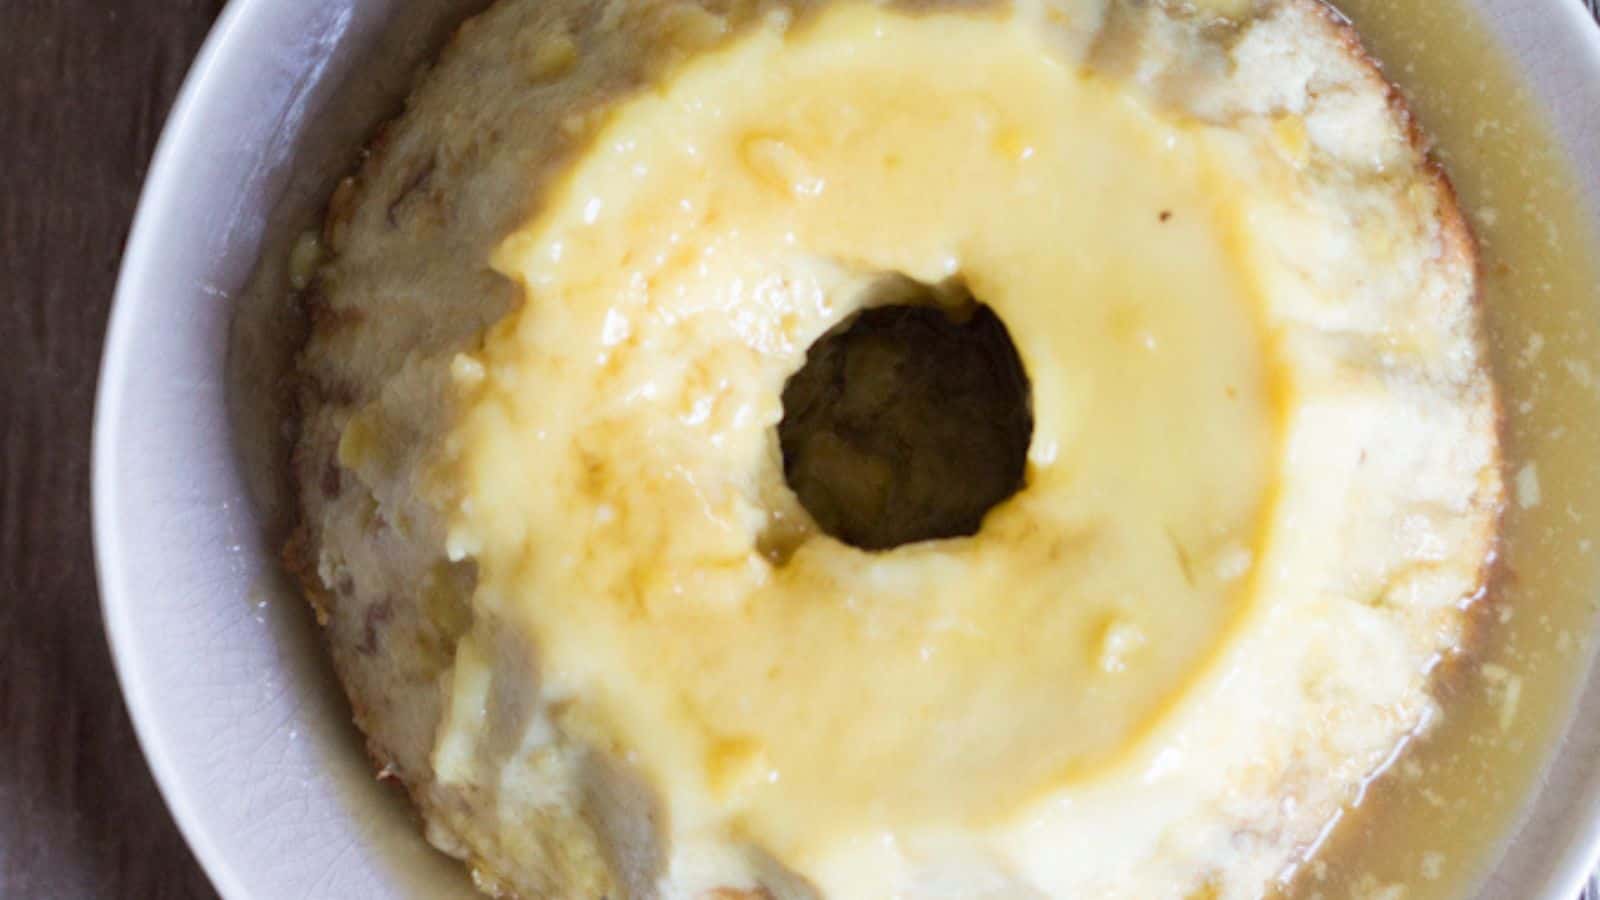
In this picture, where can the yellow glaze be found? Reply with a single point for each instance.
(625, 499)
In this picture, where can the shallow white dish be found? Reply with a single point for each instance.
(236, 711)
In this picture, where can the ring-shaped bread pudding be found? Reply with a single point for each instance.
(965, 449)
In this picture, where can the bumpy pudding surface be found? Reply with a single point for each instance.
(554, 521)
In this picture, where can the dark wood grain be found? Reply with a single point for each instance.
(84, 88)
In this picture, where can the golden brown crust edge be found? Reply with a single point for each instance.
(1461, 247)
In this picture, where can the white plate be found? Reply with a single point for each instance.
(235, 709)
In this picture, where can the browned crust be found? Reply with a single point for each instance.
(1461, 244)
(298, 555)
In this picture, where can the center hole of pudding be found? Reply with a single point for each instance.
(910, 420)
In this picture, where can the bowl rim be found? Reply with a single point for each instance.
(160, 199)
(163, 182)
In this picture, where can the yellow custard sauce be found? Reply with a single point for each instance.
(842, 692)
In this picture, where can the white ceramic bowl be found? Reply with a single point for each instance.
(236, 711)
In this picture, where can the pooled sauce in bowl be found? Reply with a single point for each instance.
(1431, 825)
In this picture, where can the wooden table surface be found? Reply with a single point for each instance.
(84, 88)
